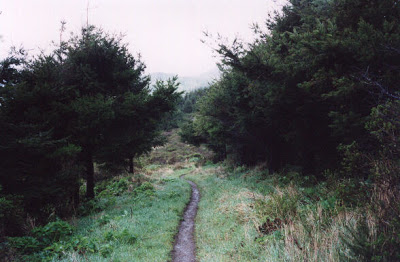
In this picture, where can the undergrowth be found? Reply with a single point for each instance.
(250, 215)
(128, 221)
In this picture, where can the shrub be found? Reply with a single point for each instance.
(52, 232)
(146, 188)
(24, 245)
(115, 187)
(46, 242)
(83, 244)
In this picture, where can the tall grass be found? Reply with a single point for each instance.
(139, 227)
(250, 215)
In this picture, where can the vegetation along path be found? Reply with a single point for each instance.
(185, 246)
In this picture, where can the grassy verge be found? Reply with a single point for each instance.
(225, 230)
(134, 218)
(248, 215)
(140, 226)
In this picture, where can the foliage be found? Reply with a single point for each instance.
(43, 243)
(304, 87)
(132, 228)
(52, 232)
(86, 101)
(146, 189)
(11, 214)
(25, 244)
(188, 134)
(115, 187)
(261, 217)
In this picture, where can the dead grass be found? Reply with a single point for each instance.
(174, 151)
(284, 225)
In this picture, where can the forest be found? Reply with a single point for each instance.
(293, 148)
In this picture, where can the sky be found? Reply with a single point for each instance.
(166, 33)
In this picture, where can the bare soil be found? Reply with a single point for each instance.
(185, 246)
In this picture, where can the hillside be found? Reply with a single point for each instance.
(188, 83)
(243, 215)
(290, 152)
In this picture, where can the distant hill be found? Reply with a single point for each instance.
(188, 83)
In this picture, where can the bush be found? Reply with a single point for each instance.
(146, 188)
(24, 245)
(46, 242)
(52, 232)
(83, 244)
(115, 187)
(188, 134)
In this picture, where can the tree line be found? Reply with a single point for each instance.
(317, 94)
(305, 93)
(86, 102)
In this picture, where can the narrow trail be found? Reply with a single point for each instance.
(185, 246)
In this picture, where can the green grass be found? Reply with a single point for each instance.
(244, 214)
(151, 219)
(248, 215)
(224, 229)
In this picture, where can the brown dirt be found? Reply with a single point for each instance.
(185, 246)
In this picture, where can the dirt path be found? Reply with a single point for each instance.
(185, 246)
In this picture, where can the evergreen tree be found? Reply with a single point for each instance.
(112, 113)
(86, 101)
(305, 87)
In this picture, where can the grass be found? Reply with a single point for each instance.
(244, 214)
(150, 220)
(248, 215)
(141, 225)
(225, 229)
(174, 151)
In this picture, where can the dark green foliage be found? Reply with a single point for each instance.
(43, 242)
(186, 106)
(116, 188)
(87, 101)
(106, 250)
(188, 134)
(25, 245)
(146, 189)
(306, 87)
(37, 161)
(53, 240)
(123, 237)
(52, 232)
(11, 214)
(318, 92)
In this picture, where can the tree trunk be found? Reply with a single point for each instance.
(89, 175)
(131, 165)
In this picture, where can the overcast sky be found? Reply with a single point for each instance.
(166, 33)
